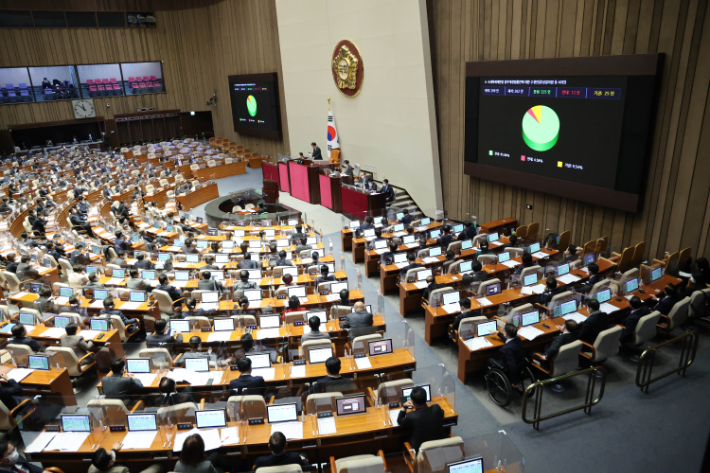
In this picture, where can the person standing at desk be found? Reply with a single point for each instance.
(387, 190)
(316, 152)
(348, 169)
(424, 423)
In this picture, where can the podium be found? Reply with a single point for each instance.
(330, 196)
(270, 191)
(303, 179)
(359, 203)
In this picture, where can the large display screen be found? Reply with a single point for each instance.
(255, 105)
(575, 127)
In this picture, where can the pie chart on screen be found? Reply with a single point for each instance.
(251, 105)
(541, 128)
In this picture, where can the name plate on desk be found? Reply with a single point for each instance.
(117, 428)
(298, 323)
(299, 362)
(51, 428)
(360, 355)
(185, 426)
(325, 414)
(256, 421)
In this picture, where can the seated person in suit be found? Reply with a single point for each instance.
(279, 455)
(412, 264)
(469, 231)
(245, 379)
(192, 458)
(248, 263)
(550, 289)
(695, 283)
(315, 333)
(209, 284)
(287, 281)
(137, 283)
(121, 243)
(512, 242)
(297, 235)
(293, 304)
(192, 310)
(466, 312)
(668, 300)
(11, 393)
(314, 260)
(12, 462)
(570, 254)
(209, 264)
(324, 277)
(120, 259)
(334, 382)
(388, 257)
(567, 335)
(527, 262)
(117, 386)
(77, 279)
(172, 291)
(511, 354)
(432, 285)
(189, 249)
(484, 250)
(368, 225)
(424, 423)
(243, 283)
(103, 461)
(94, 281)
(450, 256)
(282, 261)
(595, 323)
(19, 337)
(407, 219)
(378, 237)
(77, 343)
(345, 298)
(109, 309)
(141, 262)
(446, 237)
(78, 256)
(168, 388)
(24, 270)
(594, 277)
(302, 246)
(638, 310)
(161, 339)
(477, 272)
(359, 318)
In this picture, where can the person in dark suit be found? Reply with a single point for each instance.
(160, 339)
(19, 337)
(10, 391)
(511, 354)
(445, 238)
(78, 256)
(368, 225)
(78, 220)
(388, 256)
(172, 291)
(638, 310)
(189, 249)
(550, 290)
(324, 277)
(121, 243)
(248, 263)
(347, 169)
(282, 261)
(424, 423)
(38, 225)
(387, 190)
(594, 277)
(595, 323)
(279, 455)
(567, 335)
(141, 262)
(411, 259)
(466, 312)
(432, 285)
(11, 460)
(116, 386)
(334, 382)
(359, 318)
(407, 219)
(209, 284)
(668, 300)
(24, 271)
(245, 379)
(316, 152)
(11, 265)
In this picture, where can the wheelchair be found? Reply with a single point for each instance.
(500, 390)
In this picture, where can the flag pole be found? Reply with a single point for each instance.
(329, 104)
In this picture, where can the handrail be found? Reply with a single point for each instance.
(687, 357)
(537, 386)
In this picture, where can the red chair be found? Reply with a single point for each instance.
(102, 89)
(134, 88)
(89, 82)
(104, 81)
(97, 81)
(146, 78)
(113, 81)
(131, 79)
(117, 89)
(92, 91)
(153, 78)
(142, 87)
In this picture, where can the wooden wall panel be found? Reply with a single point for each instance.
(200, 43)
(676, 204)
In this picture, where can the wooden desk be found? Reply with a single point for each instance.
(218, 172)
(255, 163)
(198, 197)
(54, 384)
(330, 192)
(356, 434)
(110, 338)
(500, 225)
(358, 205)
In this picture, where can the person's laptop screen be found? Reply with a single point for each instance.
(210, 297)
(562, 269)
(292, 271)
(227, 244)
(182, 275)
(493, 289)
(434, 234)
(99, 324)
(602, 296)
(631, 285)
(91, 270)
(66, 291)
(380, 347)
(465, 266)
(492, 237)
(38, 362)
(473, 465)
(321, 314)
(565, 308)
(276, 413)
(400, 258)
(351, 405)
(407, 392)
(530, 279)
(369, 233)
(148, 274)
(179, 243)
(253, 294)
(75, 423)
(450, 297)
(486, 328)
(354, 223)
(280, 243)
(422, 275)
(399, 227)
(27, 319)
(589, 258)
(225, 324)
(254, 243)
(259, 360)
(399, 216)
(136, 296)
(192, 258)
(458, 228)
(100, 294)
(138, 365)
(201, 244)
(656, 274)
(118, 273)
(534, 248)
(530, 318)
(163, 256)
(141, 422)
(380, 244)
(217, 275)
(96, 249)
(426, 221)
(269, 321)
(61, 322)
(467, 244)
(254, 274)
(319, 355)
(407, 240)
(335, 288)
(179, 326)
(221, 259)
(435, 252)
(197, 364)
(297, 291)
(210, 419)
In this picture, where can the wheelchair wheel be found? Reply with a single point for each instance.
(527, 378)
(499, 388)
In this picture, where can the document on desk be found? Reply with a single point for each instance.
(540, 255)
(585, 269)
(29, 328)
(205, 307)
(451, 308)
(54, 332)
(219, 336)
(431, 259)
(292, 430)
(130, 305)
(229, 435)
(138, 440)
(411, 245)
(420, 284)
(363, 363)
(211, 438)
(89, 334)
(628, 296)
(576, 316)
(67, 441)
(399, 234)
(20, 294)
(7, 328)
(65, 300)
(40, 442)
(267, 333)
(538, 288)
(180, 439)
(111, 282)
(97, 304)
(381, 251)
(568, 279)
(394, 414)
(530, 333)
(483, 301)
(326, 426)
(511, 263)
(18, 374)
(146, 379)
(298, 371)
(332, 297)
(494, 243)
(608, 308)
(266, 373)
(478, 343)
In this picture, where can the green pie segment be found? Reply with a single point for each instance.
(541, 128)
(251, 105)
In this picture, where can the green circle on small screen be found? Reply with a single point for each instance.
(251, 105)
(541, 128)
